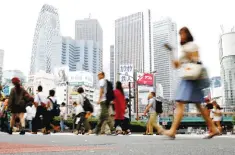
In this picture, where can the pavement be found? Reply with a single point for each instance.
(136, 144)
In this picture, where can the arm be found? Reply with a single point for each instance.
(11, 99)
(36, 100)
(147, 108)
(102, 83)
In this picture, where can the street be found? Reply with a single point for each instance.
(69, 144)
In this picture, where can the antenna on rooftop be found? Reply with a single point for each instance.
(222, 28)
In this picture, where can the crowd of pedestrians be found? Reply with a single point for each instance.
(39, 110)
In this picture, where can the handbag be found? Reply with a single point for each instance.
(191, 71)
(203, 80)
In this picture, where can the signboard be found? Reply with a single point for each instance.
(80, 78)
(6, 90)
(61, 74)
(126, 73)
(145, 79)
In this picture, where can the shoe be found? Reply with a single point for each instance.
(10, 131)
(22, 132)
(34, 133)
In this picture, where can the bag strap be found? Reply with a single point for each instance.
(51, 100)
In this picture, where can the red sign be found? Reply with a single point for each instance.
(145, 79)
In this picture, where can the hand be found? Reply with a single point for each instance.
(176, 64)
(98, 102)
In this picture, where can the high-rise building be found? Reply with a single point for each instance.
(133, 42)
(81, 55)
(90, 29)
(47, 41)
(112, 64)
(227, 59)
(1, 64)
(164, 31)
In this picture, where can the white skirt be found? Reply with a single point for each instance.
(217, 118)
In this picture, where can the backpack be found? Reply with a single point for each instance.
(56, 108)
(87, 106)
(109, 94)
(158, 107)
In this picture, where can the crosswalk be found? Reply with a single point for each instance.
(194, 136)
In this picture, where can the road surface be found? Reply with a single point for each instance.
(69, 144)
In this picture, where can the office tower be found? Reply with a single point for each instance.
(133, 42)
(1, 64)
(227, 59)
(112, 63)
(90, 29)
(47, 41)
(81, 55)
(164, 31)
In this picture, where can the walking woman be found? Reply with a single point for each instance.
(63, 116)
(120, 105)
(17, 104)
(217, 115)
(188, 91)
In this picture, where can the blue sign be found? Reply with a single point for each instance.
(6, 90)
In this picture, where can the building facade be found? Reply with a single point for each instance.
(164, 31)
(112, 64)
(133, 42)
(82, 55)
(47, 41)
(90, 29)
(1, 64)
(227, 59)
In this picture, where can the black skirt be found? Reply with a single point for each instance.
(18, 109)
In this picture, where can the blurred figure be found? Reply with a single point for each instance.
(153, 115)
(30, 114)
(17, 104)
(188, 90)
(148, 125)
(63, 116)
(119, 104)
(126, 123)
(217, 115)
(208, 110)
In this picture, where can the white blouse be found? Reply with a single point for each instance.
(187, 48)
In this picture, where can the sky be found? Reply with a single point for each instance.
(203, 17)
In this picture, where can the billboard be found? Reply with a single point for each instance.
(80, 78)
(126, 73)
(61, 74)
(145, 79)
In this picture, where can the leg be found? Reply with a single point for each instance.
(208, 120)
(218, 124)
(12, 123)
(153, 119)
(22, 122)
(30, 125)
(177, 119)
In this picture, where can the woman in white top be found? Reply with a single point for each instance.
(217, 116)
(63, 116)
(188, 91)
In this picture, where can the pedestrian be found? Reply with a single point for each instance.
(126, 123)
(30, 114)
(153, 115)
(148, 125)
(40, 102)
(119, 104)
(79, 118)
(106, 90)
(17, 105)
(63, 116)
(217, 115)
(188, 91)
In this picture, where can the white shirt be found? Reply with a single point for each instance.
(103, 84)
(63, 112)
(50, 106)
(30, 114)
(78, 109)
(152, 103)
(127, 113)
(80, 99)
(40, 98)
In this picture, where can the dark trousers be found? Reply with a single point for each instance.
(47, 120)
(126, 124)
(118, 122)
(36, 123)
(81, 123)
